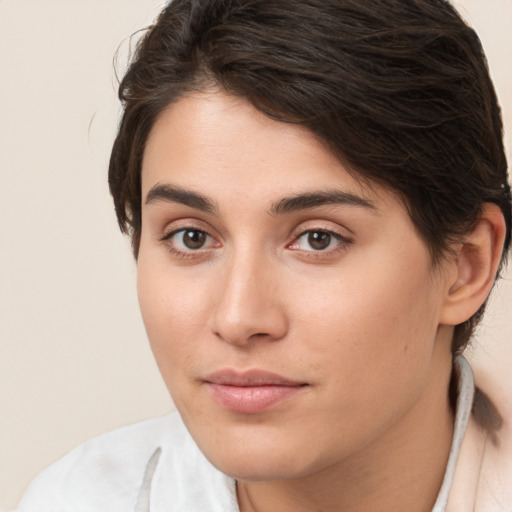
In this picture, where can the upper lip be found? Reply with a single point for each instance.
(249, 378)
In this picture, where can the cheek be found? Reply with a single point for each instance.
(368, 320)
(371, 346)
(171, 311)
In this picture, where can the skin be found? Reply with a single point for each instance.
(361, 323)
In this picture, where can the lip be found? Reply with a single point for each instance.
(251, 392)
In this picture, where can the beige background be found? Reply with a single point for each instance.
(74, 360)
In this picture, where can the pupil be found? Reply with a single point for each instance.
(194, 239)
(319, 240)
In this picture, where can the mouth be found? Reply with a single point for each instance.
(251, 392)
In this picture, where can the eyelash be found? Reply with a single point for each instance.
(184, 254)
(341, 243)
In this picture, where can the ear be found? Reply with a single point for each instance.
(476, 264)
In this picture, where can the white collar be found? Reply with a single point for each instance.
(465, 394)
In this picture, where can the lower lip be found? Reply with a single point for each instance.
(251, 399)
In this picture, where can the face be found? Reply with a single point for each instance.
(293, 312)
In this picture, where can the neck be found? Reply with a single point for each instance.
(410, 456)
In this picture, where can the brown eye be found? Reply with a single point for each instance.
(319, 240)
(188, 240)
(194, 239)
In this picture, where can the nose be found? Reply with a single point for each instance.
(249, 304)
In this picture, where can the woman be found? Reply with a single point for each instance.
(316, 194)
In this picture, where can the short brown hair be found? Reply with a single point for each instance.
(398, 89)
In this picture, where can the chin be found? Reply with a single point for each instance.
(257, 470)
(258, 457)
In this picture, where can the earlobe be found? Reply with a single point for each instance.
(477, 262)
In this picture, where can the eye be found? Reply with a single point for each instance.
(188, 240)
(319, 240)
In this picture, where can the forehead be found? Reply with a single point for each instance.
(223, 145)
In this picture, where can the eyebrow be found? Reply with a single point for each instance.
(305, 201)
(167, 193)
(320, 198)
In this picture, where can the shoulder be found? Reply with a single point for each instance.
(107, 472)
(495, 483)
(484, 468)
